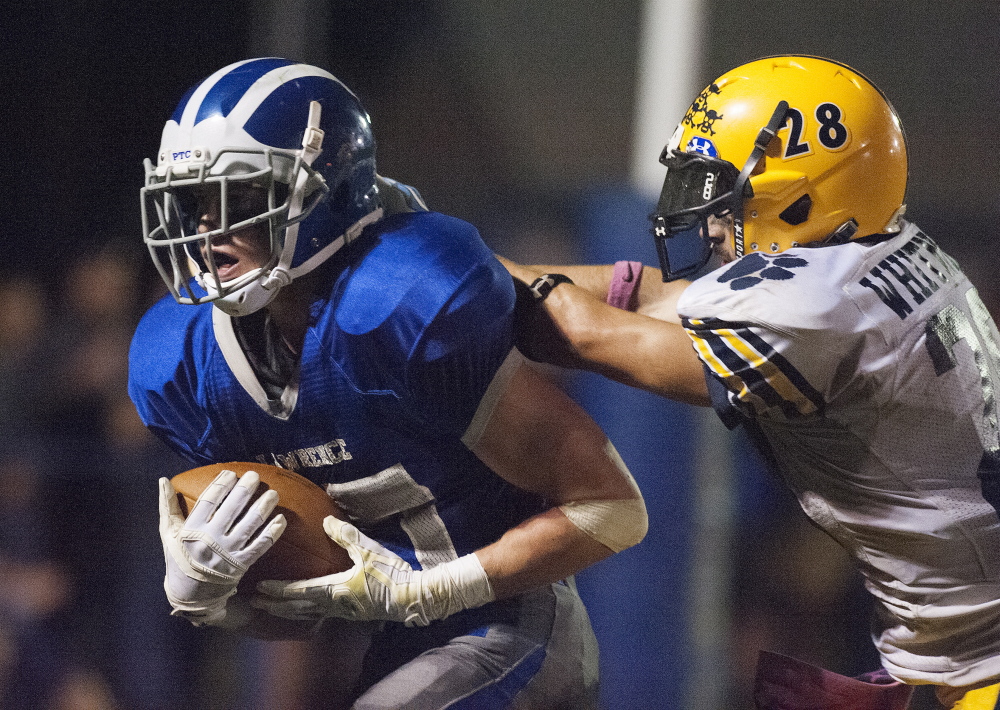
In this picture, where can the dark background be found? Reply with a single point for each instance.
(487, 107)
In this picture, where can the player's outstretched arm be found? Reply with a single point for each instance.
(572, 327)
(650, 295)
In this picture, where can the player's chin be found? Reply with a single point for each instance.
(724, 254)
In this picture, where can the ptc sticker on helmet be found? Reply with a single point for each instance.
(704, 146)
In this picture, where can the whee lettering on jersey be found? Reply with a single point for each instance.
(328, 454)
(910, 275)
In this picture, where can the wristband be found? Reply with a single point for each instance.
(624, 287)
(449, 588)
(543, 285)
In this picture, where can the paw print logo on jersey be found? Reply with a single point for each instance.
(756, 268)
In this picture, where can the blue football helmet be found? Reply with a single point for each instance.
(294, 134)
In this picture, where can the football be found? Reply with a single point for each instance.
(303, 551)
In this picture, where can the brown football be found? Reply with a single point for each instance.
(303, 551)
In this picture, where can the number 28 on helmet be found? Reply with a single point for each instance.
(796, 150)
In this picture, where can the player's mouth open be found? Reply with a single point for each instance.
(227, 265)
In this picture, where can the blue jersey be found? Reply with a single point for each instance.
(398, 357)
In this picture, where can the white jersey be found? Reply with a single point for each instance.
(869, 375)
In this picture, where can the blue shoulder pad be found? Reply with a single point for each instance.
(167, 362)
(429, 300)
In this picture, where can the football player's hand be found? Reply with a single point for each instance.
(208, 553)
(381, 586)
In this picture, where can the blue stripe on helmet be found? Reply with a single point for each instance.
(228, 90)
(290, 102)
(179, 111)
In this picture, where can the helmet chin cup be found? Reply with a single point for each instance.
(242, 300)
(246, 300)
(255, 295)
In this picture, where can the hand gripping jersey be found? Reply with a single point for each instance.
(868, 374)
(396, 361)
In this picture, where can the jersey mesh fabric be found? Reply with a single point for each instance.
(867, 374)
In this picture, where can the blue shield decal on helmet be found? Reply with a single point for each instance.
(704, 146)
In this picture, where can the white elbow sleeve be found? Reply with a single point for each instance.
(618, 523)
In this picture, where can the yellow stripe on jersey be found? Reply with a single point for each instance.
(982, 699)
(748, 359)
(734, 383)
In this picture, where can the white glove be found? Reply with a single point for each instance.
(207, 554)
(381, 586)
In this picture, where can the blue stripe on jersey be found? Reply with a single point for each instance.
(789, 370)
(753, 380)
(229, 89)
(774, 380)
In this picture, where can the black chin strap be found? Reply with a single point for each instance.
(742, 188)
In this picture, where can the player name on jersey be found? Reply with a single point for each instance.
(332, 452)
(911, 274)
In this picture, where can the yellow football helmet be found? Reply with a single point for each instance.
(797, 149)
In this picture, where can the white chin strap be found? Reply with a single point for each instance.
(262, 290)
(246, 300)
(281, 275)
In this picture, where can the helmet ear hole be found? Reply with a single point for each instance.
(797, 212)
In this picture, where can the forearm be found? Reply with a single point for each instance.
(630, 348)
(594, 279)
(541, 550)
(589, 277)
(652, 296)
(542, 441)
